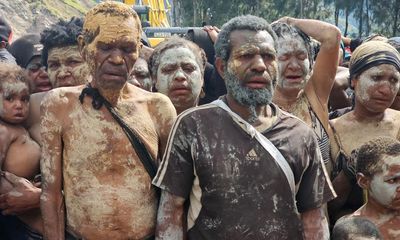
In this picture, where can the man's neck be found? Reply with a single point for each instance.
(113, 96)
(285, 98)
(264, 115)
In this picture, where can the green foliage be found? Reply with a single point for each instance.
(76, 5)
(381, 16)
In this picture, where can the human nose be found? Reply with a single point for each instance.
(386, 89)
(18, 104)
(180, 76)
(293, 64)
(64, 72)
(116, 57)
(259, 64)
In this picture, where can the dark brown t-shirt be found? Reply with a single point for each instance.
(236, 189)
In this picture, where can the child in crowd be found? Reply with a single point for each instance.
(19, 154)
(378, 173)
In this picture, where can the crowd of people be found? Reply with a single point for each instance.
(286, 130)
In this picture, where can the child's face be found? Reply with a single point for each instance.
(14, 102)
(385, 185)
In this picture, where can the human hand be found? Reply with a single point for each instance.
(212, 32)
(22, 197)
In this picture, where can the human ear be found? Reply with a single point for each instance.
(363, 181)
(81, 46)
(219, 64)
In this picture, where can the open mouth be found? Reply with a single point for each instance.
(294, 78)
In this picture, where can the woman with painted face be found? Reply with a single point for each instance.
(374, 74)
(303, 86)
(378, 173)
(177, 67)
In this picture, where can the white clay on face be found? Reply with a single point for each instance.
(366, 81)
(384, 192)
(165, 81)
(288, 47)
(79, 73)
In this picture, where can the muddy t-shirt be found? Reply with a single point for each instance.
(236, 189)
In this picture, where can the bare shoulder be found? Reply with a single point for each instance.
(6, 134)
(157, 103)
(394, 114)
(343, 121)
(61, 97)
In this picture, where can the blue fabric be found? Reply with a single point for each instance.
(11, 228)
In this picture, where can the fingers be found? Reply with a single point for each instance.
(11, 178)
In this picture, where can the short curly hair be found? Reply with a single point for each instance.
(12, 72)
(61, 34)
(176, 42)
(247, 22)
(368, 156)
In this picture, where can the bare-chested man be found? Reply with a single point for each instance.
(177, 66)
(19, 154)
(374, 73)
(299, 90)
(378, 172)
(107, 192)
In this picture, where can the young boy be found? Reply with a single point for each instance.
(378, 172)
(19, 154)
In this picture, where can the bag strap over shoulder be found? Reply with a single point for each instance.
(265, 142)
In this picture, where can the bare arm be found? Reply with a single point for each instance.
(315, 224)
(170, 219)
(327, 61)
(51, 200)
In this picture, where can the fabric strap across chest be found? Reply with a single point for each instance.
(265, 143)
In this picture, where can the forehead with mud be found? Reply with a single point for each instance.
(102, 14)
(369, 156)
(13, 78)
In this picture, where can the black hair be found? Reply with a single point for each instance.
(368, 156)
(61, 34)
(347, 228)
(247, 22)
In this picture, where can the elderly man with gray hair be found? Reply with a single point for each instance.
(250, 170)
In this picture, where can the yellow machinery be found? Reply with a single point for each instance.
(157, 11)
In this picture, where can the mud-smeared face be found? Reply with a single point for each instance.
(140, 75)
(114, 50)
(179, 77)
(14, 102)
(376, 88)
(37, 76)
(385, 185)
(251, 68)
(293, 63)
(66, 67)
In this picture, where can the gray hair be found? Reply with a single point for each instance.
(247, 22)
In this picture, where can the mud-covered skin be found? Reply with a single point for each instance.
(38, 77)
(107, 191)
(66, 67)
(19, 154)
(140, 75)
(383, 206)
(179, 76)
